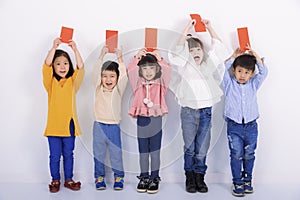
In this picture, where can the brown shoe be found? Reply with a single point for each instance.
(54, 186)
(72, 185)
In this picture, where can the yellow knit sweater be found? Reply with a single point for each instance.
(61, 102)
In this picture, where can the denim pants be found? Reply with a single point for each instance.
(107, 136)
(62, 146)
(196, 131)
(149, 132)
(242, 140)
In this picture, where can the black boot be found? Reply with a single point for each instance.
(190, 185)
(200, 184)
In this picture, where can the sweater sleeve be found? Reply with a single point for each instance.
(166, 72)
(47, 76)
(133, 73)
(78, 78)
(123, 79)
(97, 72)
(180, 55)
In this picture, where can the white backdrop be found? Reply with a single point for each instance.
(29, 27)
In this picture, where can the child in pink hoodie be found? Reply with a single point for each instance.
(149, 76)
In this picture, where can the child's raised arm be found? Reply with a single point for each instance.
(183, 36)
(78, 58)
(210, 29)
(258, 59)
(51, 52)
(119, 55)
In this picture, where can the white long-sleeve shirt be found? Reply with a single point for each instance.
(199, 85)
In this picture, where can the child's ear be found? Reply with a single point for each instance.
(157, 68)
(232, 69)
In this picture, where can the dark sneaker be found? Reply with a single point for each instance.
(238, 190)
(100, 183)
(248, 187)
(200, 184)
(190, 184)
(153, 186)
(119, 183)
(143, 184)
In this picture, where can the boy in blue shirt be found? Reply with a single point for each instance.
(241, 111)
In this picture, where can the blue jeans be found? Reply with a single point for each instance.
(242, 140)
(62, 146)
(196, 131)
(107, 136)
(149, 132)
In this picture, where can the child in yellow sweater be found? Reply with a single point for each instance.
(62, 82)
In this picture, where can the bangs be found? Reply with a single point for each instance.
(148, 59)
(194, 42)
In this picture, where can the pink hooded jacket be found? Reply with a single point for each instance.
(154, 91)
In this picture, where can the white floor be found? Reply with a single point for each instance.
(174, 191)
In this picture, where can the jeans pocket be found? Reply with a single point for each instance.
(208, 113)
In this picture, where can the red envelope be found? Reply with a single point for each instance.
(243, 38)
(199, 26)
(111, 40)
(150, 39)
(66, 34)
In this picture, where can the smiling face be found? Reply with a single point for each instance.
(242, 74)
(197, 53)
(149, 72)
(109, 79)
(61, 66)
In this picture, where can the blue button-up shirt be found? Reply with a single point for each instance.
(240, 99)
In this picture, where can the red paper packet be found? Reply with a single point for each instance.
(243, 38)
(111, 40)
(150, 39)
(199, 26)
(66, 34)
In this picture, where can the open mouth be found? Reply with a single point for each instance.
(197, 58)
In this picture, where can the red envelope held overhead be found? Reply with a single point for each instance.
(199, 26)
(111, 40)
(66, 34)
(150, 39)
(243, 38)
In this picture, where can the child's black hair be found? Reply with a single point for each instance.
(111, 66)
(246, 61)
(150, 60)
(194, 42)
(59, 53)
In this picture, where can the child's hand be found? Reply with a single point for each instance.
(237, 53)
(56, 43)
(141, 52)
(73, 45)
(156, 53)
(104, 51)
(207, 23)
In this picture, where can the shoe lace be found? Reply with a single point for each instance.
(238, 186)
(154, 182)
(100, 179)
(119, 179)
(247, 183)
